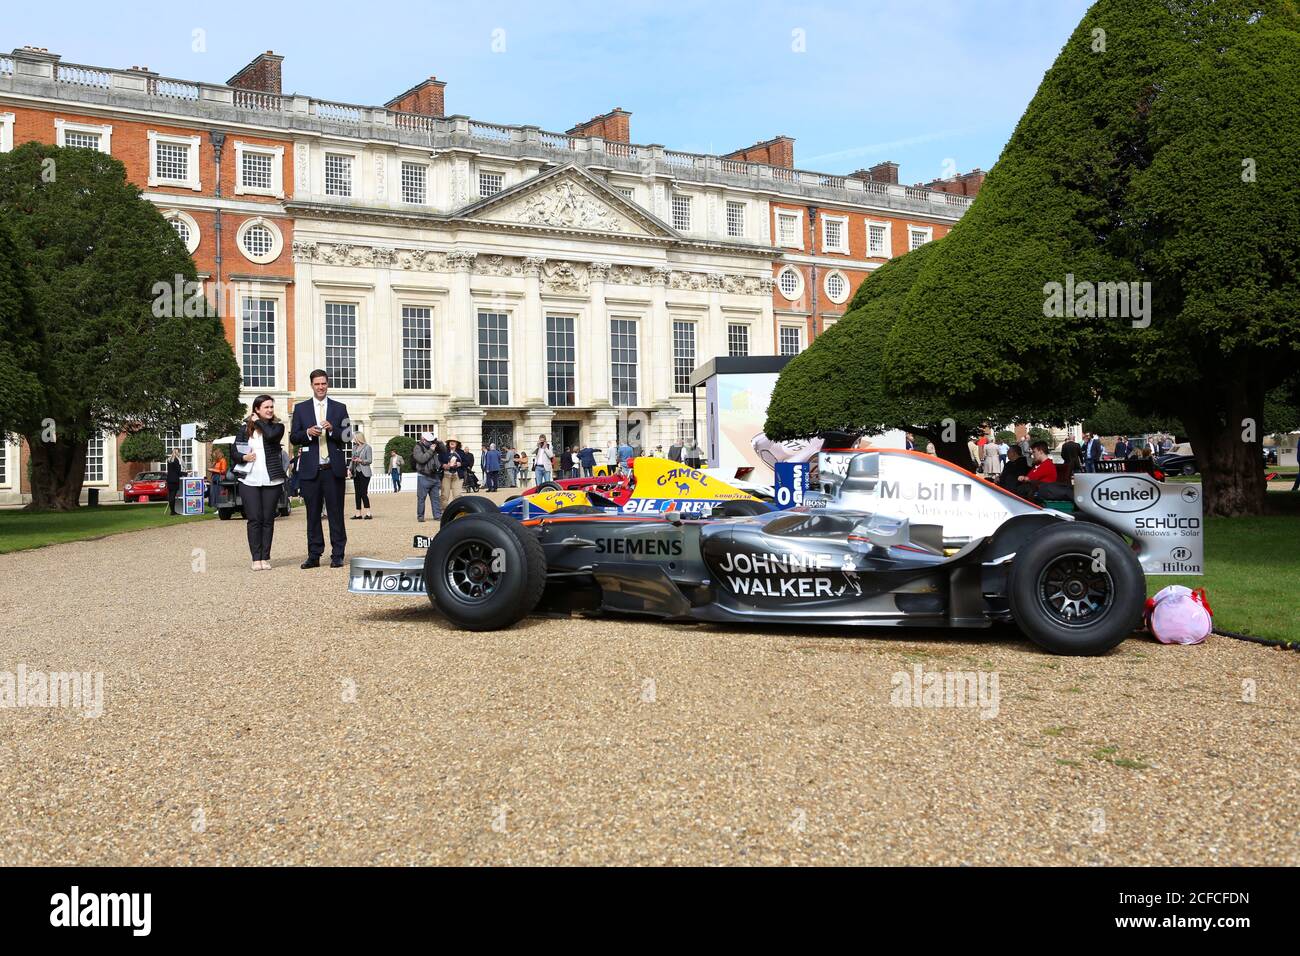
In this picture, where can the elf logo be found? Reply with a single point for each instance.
(134, 910)
(1125, 494)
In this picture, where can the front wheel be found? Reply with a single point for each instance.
(1077, 589)
(485, 572)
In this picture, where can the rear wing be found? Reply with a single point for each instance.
(1163, 518)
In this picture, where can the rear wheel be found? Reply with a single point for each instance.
(1077, 589)
(485, 572)
(548, 486)
(467, 505)
(224, 513)
(1189, 469)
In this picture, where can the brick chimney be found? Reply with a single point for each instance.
(262, 74)
(425, 98)
(778, 151)
(613, 126)
(965, 184)
(885, 172)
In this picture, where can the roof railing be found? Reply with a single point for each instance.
(854, 189)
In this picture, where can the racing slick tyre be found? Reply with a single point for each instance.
(485, 572)
(740, 509)
(548, 486)
(1077, 589)
(467, 505)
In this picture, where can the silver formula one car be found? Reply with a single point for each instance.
(1072, 586)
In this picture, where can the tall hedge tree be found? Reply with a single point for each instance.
(841, 382)
(21, 344)
(93, 251)
(1161, 148)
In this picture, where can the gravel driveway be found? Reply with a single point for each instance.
(271, 718)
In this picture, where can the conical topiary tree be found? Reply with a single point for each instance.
(841, 382)
(1161, 148)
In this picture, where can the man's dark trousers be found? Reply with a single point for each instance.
(325, 489)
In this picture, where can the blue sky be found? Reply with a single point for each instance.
(933, 85)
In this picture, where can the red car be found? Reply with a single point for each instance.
(617, 488)
(146, 486)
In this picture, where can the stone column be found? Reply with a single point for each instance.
(529, 343)
(658, 342)
(604, 428)
(713, 338)
(465, 424)
(537, 421)
(595, 345)
(461, 356)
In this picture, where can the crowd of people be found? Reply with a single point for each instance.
(444, 470)
(1024, 466)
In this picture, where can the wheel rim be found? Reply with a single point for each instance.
(1073, 593)
(469, 571)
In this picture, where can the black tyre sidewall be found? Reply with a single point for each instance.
(467, 505)
(1127, 579)
(523, 581)
(548, 486)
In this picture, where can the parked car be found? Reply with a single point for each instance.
(146, 486)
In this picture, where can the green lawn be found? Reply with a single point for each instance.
(20, 530)
(1252, 566)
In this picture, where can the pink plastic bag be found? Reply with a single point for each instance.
(1179, 615)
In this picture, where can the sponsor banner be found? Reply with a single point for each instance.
(791, 483)
(640, 546)
(792, 574)
(1163, 518)
(382, 577)
(192, 487)
(653, 506)
(192, 505)
(662, 479)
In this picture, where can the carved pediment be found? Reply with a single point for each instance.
(562, 203)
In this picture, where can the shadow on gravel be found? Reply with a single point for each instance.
(845, 639)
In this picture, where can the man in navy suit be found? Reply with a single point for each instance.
(1091, 452)
(319, 426)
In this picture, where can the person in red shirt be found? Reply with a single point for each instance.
(1044, 469)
